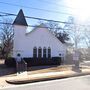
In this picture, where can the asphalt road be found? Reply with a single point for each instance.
(74, 83)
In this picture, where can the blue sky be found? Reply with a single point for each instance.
(78, 7)
(42, 4)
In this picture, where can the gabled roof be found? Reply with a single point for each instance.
(42, 25)
(20, 19)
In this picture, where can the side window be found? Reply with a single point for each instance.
(39, 52)
(34, 52)
(49, 52)
(44, 52)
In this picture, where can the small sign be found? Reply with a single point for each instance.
(76, 56)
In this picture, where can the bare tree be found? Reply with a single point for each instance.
(6, 38)
(80, 37)
(87, 36)
(57, 30)
(75, 31)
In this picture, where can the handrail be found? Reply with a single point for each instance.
(21, 65)
(25, 65)
(24, 61)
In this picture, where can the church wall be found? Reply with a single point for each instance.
(40, 37)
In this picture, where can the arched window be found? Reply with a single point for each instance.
(49, 52)
(44, 52)
(39, 52)
(34, 52)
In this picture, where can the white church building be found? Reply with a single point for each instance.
(40, 42)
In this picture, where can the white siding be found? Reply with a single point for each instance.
(40, 37)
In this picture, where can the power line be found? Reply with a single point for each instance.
(35, 18)
(3, 15)
(56, 4)
(43, 19)
(35, 26)
(39, 9)
(42, 27)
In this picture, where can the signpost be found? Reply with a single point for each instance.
(76, 59)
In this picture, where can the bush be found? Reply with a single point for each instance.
(43, 61)
(56, 60)
(10, 62)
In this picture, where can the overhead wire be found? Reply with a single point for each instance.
(56, 4)
(44, 19)
(10, 14)
(59, 28)
(40, 9)
(33, 26)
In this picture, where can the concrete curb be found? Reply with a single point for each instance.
(43, 77)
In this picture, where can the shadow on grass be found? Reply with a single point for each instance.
(4, 70)
(33, 68)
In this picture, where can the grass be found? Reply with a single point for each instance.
(4, 71)
(32, 70)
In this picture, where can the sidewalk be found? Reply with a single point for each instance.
(48, 75)
(44, 74)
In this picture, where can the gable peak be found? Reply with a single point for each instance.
(20, 19)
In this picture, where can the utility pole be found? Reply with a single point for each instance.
(76, 54)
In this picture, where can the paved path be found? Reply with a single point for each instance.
(57, 72)
(48, 71)
(75, 83)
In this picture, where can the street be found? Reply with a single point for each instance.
(74, 83)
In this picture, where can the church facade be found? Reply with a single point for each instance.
(39, 43)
